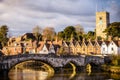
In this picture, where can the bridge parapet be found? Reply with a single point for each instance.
(7, 62)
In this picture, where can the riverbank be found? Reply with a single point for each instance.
(110, 68)
(113, 66)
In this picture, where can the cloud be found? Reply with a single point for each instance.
(114, 9)
(22, 15)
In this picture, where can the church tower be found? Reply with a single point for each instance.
(102, 21)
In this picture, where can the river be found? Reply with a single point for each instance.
(28, 74)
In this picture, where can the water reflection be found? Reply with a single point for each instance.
(28, 74)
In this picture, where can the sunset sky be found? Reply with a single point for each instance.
(22, 16)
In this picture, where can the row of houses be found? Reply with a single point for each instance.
(23, 45)
(31, 47)
(72, 48)
(28, 44)
(92, 47)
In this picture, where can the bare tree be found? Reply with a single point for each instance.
(37, 31)
(79, 28)
(48, 33)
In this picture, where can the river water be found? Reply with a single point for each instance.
(28, 74)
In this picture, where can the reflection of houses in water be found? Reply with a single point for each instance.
(28, 75)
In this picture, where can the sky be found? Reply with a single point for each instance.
(21, 16)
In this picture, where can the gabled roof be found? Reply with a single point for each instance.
(56, 46)
(98, 42)
(91, 42)
(106, 42)
(66, 43)
(72, 42)
(117, 43)
(85, 43)
(78, 43)
(47, 45)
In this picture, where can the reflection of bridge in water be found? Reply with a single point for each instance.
(50, 63)
(7, 62)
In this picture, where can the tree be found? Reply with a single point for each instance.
(68, 31)
(91, 35)
(79, 29)
(3, 35)
(49, 33)
(113, 29)
(37, 32)
(61, 35)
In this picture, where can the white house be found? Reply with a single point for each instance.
(45, 49)
(52, 49)
(104, 47)
(114, 47)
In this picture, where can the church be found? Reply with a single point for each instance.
(102, 22)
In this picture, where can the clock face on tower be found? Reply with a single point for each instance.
(100, 22)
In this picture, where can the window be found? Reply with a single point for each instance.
(83, 49)
(96, 48)
(44, 50)
(112, 49)
(103, 49)
(112, 43)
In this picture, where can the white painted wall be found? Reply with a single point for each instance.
(52, 50)
(119, 50)
(44, 50)
(104, 48)
(112, 48)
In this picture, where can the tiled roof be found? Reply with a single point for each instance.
(117, 43)
(99, 42)
(93, 42)
(107, 42)
(86, 42)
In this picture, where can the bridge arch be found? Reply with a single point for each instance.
(19, 62)
(21, 68)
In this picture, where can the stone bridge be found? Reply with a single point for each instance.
(7, 62)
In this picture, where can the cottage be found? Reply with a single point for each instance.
(104, 47)
(90, 47)
(114, 47)
(72, 47)
(97, 47)
(84, 47)
(78, 47)
(65, 45)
